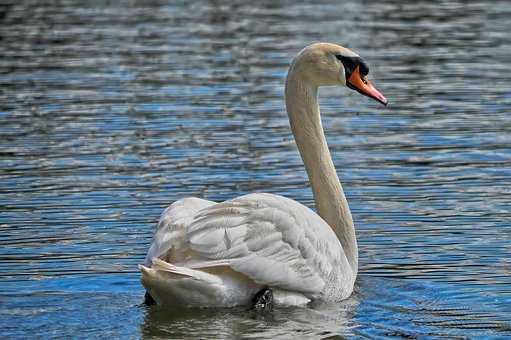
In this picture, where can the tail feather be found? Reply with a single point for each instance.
(173, 285)
(161, 265)
(180, 286)
(170, 275)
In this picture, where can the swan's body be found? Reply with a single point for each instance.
(221, 254)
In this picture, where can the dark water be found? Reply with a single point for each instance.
(109, 111)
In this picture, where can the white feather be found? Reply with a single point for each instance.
(237, 247)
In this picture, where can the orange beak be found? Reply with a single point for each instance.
(364, 86)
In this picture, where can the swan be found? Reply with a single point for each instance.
(207, 254)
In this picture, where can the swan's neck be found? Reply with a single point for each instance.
(331, 204)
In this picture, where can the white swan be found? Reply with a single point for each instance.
(222, 254)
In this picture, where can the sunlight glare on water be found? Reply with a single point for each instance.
(110, 111)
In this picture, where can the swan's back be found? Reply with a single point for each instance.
(253, 241)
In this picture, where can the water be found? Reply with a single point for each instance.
(110, 111)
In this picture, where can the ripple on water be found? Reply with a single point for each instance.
(109, 112)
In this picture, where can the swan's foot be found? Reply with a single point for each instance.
(263, 300)
(148, 299)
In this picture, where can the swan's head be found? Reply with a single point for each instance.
(325, 64)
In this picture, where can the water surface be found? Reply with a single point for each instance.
(110, 111)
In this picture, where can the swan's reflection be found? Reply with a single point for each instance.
(228, 323)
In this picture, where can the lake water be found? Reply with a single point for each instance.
(110, 111)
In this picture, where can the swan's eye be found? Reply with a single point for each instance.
(351, 63)
(364, 69)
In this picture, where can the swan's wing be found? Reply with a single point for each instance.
(170, 232)
(273, 240)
